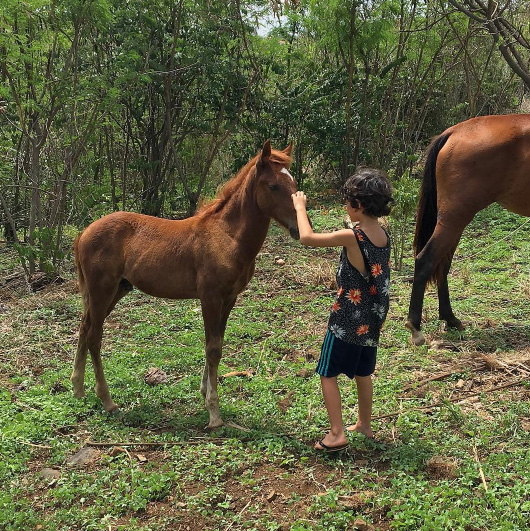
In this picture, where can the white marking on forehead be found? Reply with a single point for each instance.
(286, 171)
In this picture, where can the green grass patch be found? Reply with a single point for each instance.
(454, 452)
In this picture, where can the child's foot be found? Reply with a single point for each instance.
(359, 428)
(331, 441)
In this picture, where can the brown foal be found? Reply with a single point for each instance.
(209, 256)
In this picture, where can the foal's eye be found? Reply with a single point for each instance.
(273, 187)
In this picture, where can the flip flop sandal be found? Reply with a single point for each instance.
(330, 449)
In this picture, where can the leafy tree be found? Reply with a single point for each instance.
(40, 44)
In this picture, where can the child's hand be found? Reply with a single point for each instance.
(299, 200)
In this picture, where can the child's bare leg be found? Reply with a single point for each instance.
(331, 392)
(365, 392)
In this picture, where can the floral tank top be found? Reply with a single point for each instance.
(361, 304)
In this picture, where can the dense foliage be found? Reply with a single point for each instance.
(148, 105)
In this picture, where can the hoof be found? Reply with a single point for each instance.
(456, 324)
(111, 408)
(215, 426)
(417, 338)
(79, 394)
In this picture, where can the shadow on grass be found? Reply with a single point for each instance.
(409, 456)
(491, 337)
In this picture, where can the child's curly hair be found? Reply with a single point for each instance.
(371, 188)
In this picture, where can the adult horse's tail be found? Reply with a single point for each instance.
(427, 213)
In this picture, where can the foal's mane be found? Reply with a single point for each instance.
(237, 185)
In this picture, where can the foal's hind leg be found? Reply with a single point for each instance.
(90, 334)
(78, 373)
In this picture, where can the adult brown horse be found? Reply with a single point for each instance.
(209, 256)
(469, 166)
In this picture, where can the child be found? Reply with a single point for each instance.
(362, 300)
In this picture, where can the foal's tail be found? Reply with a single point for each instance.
(80, 275)
(427, 213)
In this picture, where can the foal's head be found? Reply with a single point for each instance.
(274, 186)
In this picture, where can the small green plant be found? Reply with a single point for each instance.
(402, 217)
(259, 471)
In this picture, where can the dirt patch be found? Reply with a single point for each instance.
(439, 467)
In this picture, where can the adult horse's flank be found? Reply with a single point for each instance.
(209, 256)
(469, 166)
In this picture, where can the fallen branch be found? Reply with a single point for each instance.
(456, 399)
(434, 378)
(498, 365)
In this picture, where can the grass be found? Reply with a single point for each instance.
(461, 464)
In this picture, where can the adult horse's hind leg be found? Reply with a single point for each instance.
(436, 254)
(445, 311)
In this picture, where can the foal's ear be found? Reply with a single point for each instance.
(288, 149)
(265, 152)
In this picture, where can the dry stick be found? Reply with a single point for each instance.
(239, 515)
(36, 445)
(89, 442)
(480, 471)
(505, 366)
(457, 399)
(434, 378)
(235, 373)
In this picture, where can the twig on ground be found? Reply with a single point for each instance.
(456, 399)
(36, 445)
(480, 471)
(239, 515)
(89, 442)
(235, 373)
(434, 378)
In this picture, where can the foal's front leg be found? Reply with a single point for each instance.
(212, 313)
(227, 308)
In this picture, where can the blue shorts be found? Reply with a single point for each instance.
(338, 357)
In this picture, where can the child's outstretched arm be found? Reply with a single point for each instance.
(339, 238)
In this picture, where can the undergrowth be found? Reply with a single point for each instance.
(452, 453)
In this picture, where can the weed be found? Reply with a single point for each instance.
(264, 475)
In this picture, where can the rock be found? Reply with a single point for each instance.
(57, 388)
(155, 376)
(361, 525)
(50, 473)
(305, 373)
(85, 456)
(116, 450)
(271, 496)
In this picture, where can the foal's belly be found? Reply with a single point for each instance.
(520, 205)
(166, 285)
